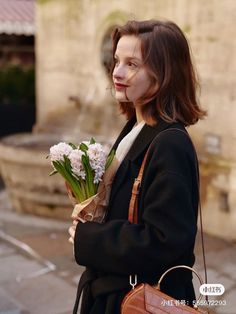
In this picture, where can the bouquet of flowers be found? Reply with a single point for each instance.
(85, 170)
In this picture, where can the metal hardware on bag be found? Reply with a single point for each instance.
(158, 286)
(137, 182)
(131, 282)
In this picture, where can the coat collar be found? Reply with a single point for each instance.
(145, 137)
(141, 143)
(126, 129)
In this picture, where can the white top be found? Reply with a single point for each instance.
(127, 141)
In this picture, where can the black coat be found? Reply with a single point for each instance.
(166, 229)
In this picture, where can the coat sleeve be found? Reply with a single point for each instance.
(168, 225)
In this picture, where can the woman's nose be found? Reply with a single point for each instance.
(119, 72)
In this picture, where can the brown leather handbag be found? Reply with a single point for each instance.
(149, 299)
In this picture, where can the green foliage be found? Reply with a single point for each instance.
(17, 85)
(83, 147)
(73, 183)
(92, 141)
(73, 145)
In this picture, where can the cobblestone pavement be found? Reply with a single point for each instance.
(38, 274)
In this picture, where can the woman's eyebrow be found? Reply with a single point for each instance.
(134, 58)
(129, 58)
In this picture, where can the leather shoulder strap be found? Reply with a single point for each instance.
(133, 205)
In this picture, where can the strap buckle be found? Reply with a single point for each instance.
(131, 282)
(136, 186)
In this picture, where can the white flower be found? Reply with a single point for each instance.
(76, 163)
(97, 160)
(97, 155)
(98, 174)
(57, 152)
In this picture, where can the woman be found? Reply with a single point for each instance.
(155, 86)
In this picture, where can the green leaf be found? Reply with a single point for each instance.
(67, 164)
(89, 175)
(83, 147)
(53, 172)
(83, 187)
(59, 167)
(74, 184)
(73, 145)
(92, 141)
(56, 165)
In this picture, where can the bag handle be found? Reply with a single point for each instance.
(133, 205)
(158, 286)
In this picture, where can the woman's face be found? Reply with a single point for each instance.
(130, 77)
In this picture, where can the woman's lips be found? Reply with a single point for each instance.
(120, 87)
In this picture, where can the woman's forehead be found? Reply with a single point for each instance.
(129, 46)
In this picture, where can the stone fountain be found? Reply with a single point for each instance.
(25, 170)
(74, 103)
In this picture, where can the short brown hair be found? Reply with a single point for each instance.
(166, 56)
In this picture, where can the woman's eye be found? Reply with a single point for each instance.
(132, 64)
(116, 61)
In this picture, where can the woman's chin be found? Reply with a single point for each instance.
(120, 97)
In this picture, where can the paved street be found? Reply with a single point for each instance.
(38, 274)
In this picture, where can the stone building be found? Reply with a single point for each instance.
(17, 31)
(73, 89)
(17, 59)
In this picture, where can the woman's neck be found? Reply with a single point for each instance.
(139, 116)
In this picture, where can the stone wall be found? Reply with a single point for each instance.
(73, 90)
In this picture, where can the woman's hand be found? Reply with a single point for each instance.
(71, 231)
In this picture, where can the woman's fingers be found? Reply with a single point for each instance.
(71, 240)
(71, 231)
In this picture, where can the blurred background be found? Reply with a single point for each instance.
(54, 85)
